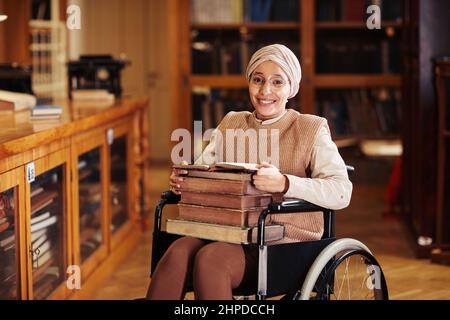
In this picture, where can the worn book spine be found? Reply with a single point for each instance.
(224, 216)
(238, 176)
(219, 186)
(225, 200)
(215, 232)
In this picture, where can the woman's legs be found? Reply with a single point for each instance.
(218, 268)
(174, 270)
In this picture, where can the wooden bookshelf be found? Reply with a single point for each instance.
(244, 26)
(356, 81)
(226, 81)
(354, 24)
(301, 35)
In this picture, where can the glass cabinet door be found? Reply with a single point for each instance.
(12, 210)
(8, 247)
(119, 183)
(47, 193)
(90, 203)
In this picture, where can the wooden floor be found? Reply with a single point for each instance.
(407, 277)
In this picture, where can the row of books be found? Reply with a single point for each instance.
(228, 52)
(90, 195)
(45, 220)
(42, 49)
(361, 112)
(239, 11)
(220, 203)
(119, 184)
(335, 53)
(339, 54)
(355, 10)
(8, 288)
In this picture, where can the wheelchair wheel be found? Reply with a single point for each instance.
(345, 270)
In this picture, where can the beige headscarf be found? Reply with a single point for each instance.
(282, 56)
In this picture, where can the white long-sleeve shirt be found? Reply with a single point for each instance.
(328, 187)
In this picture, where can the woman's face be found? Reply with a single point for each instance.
(269, 90)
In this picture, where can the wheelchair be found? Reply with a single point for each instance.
(325, 269)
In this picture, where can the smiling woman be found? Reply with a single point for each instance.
(309, 168)
(269, 90)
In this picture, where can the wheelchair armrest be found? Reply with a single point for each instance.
(294, 205)
(290, 206)
(350, 169)
(170, 198)
(167, 197)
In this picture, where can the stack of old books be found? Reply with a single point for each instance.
(220, 203)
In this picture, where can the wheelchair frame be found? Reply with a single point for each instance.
(308, 262)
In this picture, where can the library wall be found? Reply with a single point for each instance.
(145, 32)
(15, 27)
(2, 35)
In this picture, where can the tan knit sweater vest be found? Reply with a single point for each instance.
(296, 134)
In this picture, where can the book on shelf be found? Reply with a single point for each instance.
(7, 238)
(44, 224)
(16, 101)
(42, 248)
(225, 200)
(39, 218)
(224, 233)
(42, 200)
(223, 216)
(35, 191)
(37, 234)
(40, 261)
(46, 110)
(4, 226)
(39, 241)
(41, 272)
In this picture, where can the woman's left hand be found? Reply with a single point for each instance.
(268, 178)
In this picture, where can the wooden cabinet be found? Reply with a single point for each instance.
(47, 195)
(423, 42)
(90, 200)
(441, 253)
(70, 195)
(13, 247)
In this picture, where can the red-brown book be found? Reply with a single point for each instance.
(219, 186)
(225, 200)
(220, 175)
(223, 216)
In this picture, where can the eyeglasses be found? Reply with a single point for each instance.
(276, 82)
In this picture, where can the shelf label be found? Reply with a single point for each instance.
(30, 172)
(110, 136)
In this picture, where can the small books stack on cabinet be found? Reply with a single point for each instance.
(221, 203)
(46, 112)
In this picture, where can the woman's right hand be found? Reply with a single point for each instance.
(175, 180)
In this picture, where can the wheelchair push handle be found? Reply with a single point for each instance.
(170, 198)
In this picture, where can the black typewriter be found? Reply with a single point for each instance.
(16, 78)
(96, 72)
